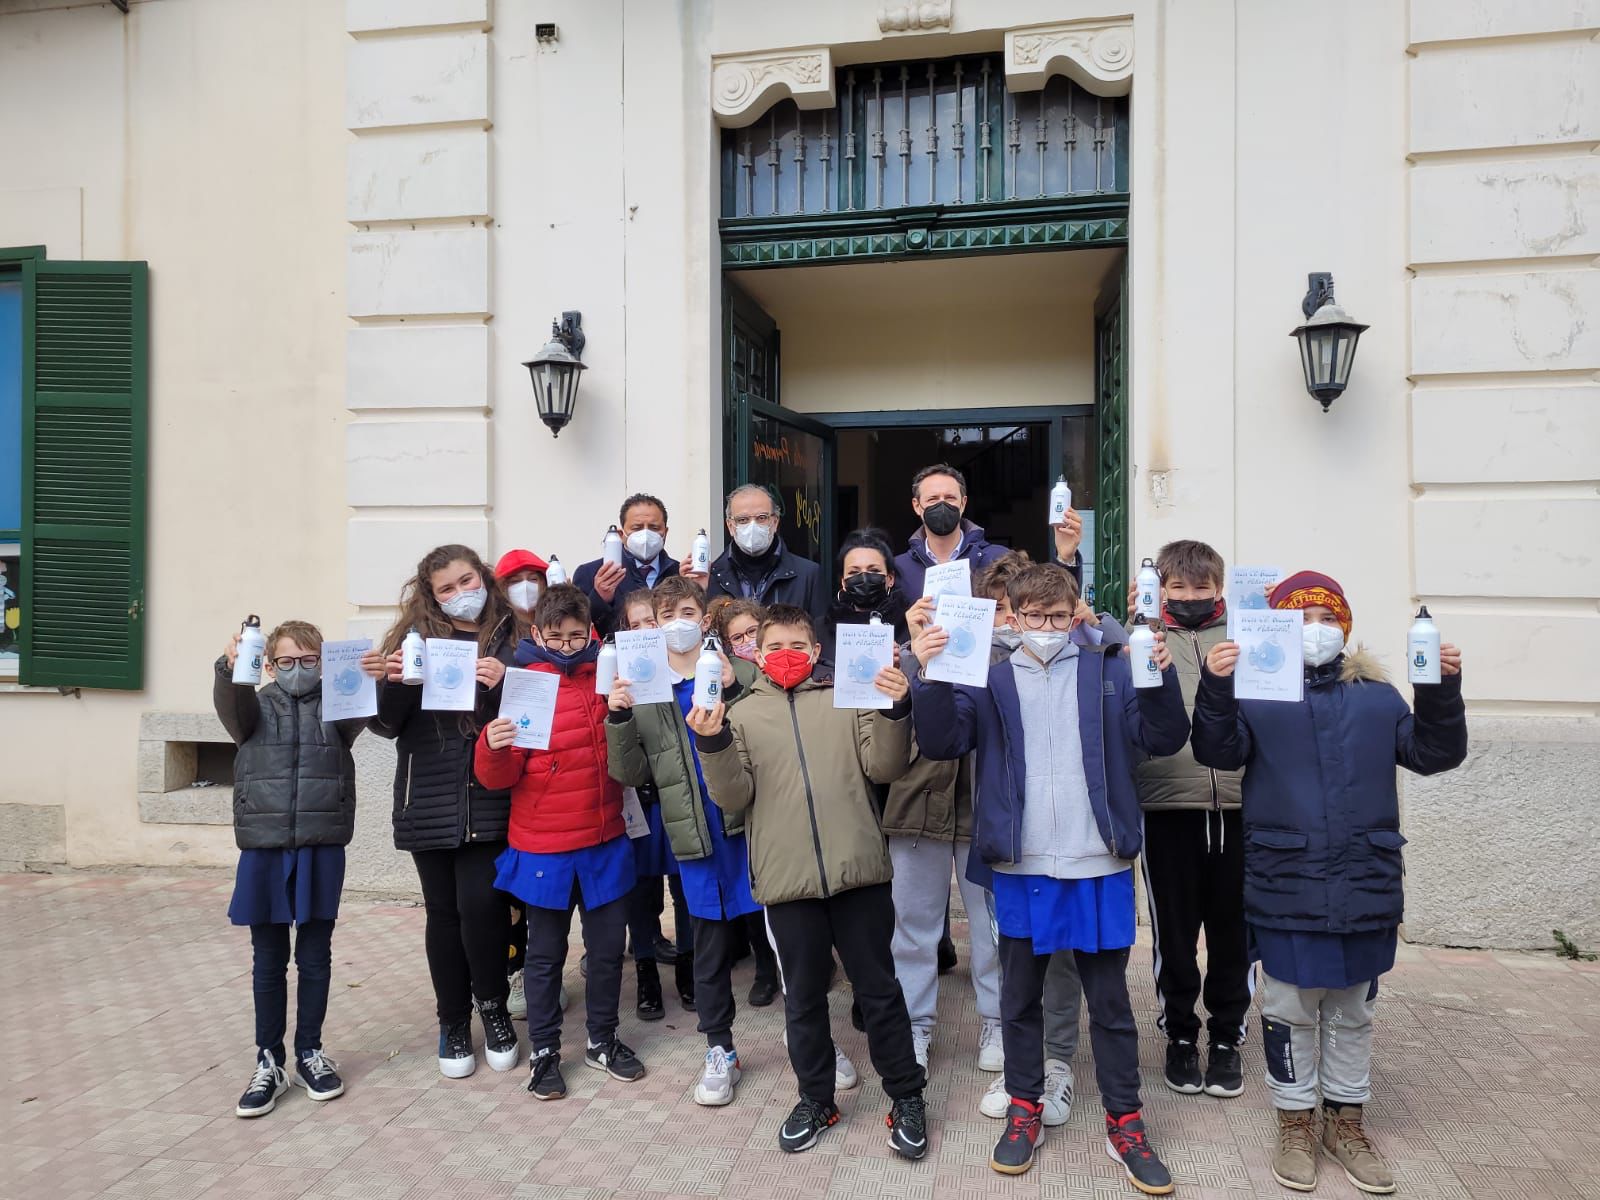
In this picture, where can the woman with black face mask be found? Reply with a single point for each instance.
(866, 586)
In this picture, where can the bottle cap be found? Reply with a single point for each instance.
(1422, 614)
(1147, 563)
(251, 622)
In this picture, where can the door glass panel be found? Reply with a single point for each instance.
(792, 462)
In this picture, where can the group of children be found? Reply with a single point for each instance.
(831, 832)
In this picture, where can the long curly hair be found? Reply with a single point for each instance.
(420, 611)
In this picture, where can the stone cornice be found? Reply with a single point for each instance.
(744, 86)
(1096, 55)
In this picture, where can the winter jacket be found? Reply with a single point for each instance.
(911, 566)
(933, 799)
(439, 803)
(1117, 723)
(787, 579)
(294, 780)
(561, 798)
(607, 614)
(1178, 782)
(803, 770)
(892, 612)
(1321, 809)
(650, 743)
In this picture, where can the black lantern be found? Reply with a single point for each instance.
(555, 370)
(1327, 340)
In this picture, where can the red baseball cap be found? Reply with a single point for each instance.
(513, 561)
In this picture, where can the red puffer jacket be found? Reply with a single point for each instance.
(562, 798)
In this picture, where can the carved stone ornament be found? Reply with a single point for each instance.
(744, 86)
(914, 16)
(1096, 55)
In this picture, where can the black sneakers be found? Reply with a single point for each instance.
(908, 1127)
(1224, 1071)
(650, 1007)
(1127, 1144)
(544, 1075)
(1183, 1068)
(1013, 1153)
(763, 992)
(266, 1085)
(805, 1124)
(499, 1035)
(318, 1074)
(616, 1060)
(456, 1058)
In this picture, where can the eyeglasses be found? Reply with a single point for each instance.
(305, 660)
(759, 518)
(573, 641)
(740, 639)
(1038, 620)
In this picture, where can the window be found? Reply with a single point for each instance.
(73, 404)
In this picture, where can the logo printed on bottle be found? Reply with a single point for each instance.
(1421, 660)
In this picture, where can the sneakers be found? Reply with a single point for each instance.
(805, 1125)
(456, 1059)
(1126, 1143)
(921, 1042)
(1013, 1153)
(317, 1073)
(1295, 1163)
(616, 1060)
(994, 1103)
(650, 1006)
(266, 1085)
(717, 1082)
(1057, 1098)
(1183, 1068)
(908, 1127)
(763, 992)
(1345, 1143)
(516, 998)
(545, 1080)
(991, 1050)
(844, 1071)
(499, 1035)
(1224, 1071)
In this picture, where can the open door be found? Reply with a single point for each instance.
(1111, 419)
(791, 454)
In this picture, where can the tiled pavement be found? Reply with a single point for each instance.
(125, 1002)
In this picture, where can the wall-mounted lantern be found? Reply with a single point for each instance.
(555, 370)
(1327, 340)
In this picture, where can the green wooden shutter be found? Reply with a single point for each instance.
(85, 402)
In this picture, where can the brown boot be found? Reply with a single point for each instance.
(1295, 1164)
(1348, 1146)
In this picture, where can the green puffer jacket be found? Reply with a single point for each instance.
(649, 743)
(803, 770)
(933, 799)
(1178, 781)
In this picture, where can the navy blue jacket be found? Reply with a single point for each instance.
(911, 566)
(1321, 811)
(1119, 725)
(607, 616)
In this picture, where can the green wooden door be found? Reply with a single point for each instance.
(1111, 419)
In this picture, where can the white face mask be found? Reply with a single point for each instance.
(681, 635)
(753, 539)
(465, 606)
(1323, 643)
(645, 544)
(523, 594)
(1045, 644)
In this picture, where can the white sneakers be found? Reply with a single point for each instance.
(717, 1083)
(991, 1050)
(844, 1071)
(921, 1040)
(1057, 1098)
(517, 999)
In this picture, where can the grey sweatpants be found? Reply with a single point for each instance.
(1063, 997)
(921, 893)
(1318, 1042)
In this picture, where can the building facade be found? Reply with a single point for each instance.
(815, 245)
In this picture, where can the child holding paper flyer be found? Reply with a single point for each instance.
(1323, 893)
(567, 846)
(650, 743)
(1057, 818)
(800, 770)
(294, 812)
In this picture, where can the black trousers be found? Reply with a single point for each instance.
(1112, 1030)
(269, 971)
(860, 925)
(605, 933)
(713, 978)
(1194, 879)
(468, 926)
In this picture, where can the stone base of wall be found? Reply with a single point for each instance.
(1507, 847)
(32, 836)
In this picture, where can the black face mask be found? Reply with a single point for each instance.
(941, 518)
(868, 589)
(1191, 614)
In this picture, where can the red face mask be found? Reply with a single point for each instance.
(787, 668)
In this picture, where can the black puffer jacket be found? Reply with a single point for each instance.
(438, 802)
(294, 780)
